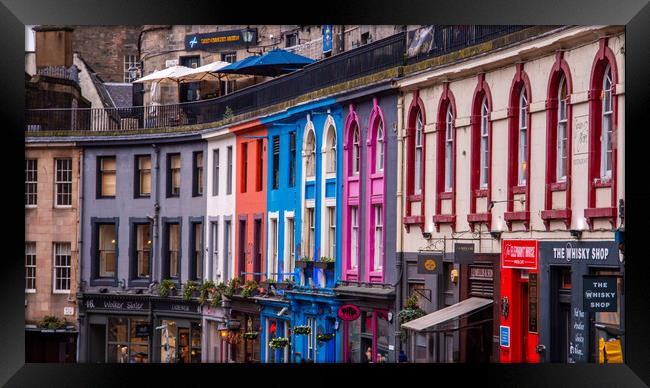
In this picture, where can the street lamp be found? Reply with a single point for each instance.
(133, 72)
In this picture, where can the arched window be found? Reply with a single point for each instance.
(310, 154)
(606, 142)
(331, 151)
(523, 129)
(356, 161)
(419, 127)
(449, 148)
(562, 137)
(484, 162)
(379, 151)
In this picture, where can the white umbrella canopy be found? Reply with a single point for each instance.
(205, 72)
(170, 74)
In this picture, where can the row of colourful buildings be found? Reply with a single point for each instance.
(446, 209)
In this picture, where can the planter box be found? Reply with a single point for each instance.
(284, 286)
(304, 264)
(324, 265)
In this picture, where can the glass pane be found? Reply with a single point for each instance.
(168, 342)
(354, 340)
(382, 337)
(117, 330)
(139, 354)
(108, 183)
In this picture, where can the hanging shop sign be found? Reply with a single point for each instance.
(233, 324)
(349, 312)
(599, 294)
(533, 299)
(464, 253)
(590, 252)
(219, 39)
(520, 254)
(429, 264)
(115, 304)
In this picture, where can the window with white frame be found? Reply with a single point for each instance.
(227, 252)
(197, 251)
(63, 182)
(606, 136)
(106, 250)
(331, 151)
(31, 178)
(274, 249)
(30, 266)
(419, 128)
(331, 231)
(562, 140)
(310, 232)
(484, 143)
(379, 151)
(523, 129)
(173, 249)
(129, 60)
(311, 349)
(354, 244)
(449, 148)
(143, 249)
(215, 175)
(229, 177)
(62, 267)
(310, 156)
(290, 246)
(379, 238)
(356, 151)
(214, 230)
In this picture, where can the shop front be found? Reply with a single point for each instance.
(178, 331)
(519, 329)
(367, 324)
(214, 344)
(241, 336)
(276, 336)
(581, 302)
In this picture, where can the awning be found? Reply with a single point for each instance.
(446, 314)
(275, 62)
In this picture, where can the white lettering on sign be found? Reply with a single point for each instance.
(68, 311)
(113, 305)
(90, 304)
(570, 253)
(523, 252)
(179, 307)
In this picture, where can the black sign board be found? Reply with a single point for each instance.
(142, 330)
(221, 39)
(589, 252)
(177, 306)
(429, 264)
(233, 324)
(464, 253)
(599, 293)
(112, 303)
(532, 302)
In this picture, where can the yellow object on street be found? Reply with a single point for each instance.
(610, 352)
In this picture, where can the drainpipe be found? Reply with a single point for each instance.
(156, 208)
(399, 195)
(79, 249)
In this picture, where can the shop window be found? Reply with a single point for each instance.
(292, 159)
(355, 355)
(197, 177)
(106, 177)
(125, 343)
(63, 182)
(143, 176)
(383, 334)
(248, 350)
(173, 175)
(31, 178)
(30, 267)
(447, 268)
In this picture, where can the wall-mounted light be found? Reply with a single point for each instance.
(577, 233)
(426, 235)
(496, 234)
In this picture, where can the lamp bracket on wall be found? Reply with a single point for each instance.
(427, 291)
(434, 245)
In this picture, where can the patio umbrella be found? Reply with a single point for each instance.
(169, 74)
(275, 62)
(209, 72)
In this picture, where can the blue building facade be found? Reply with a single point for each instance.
(302, 210)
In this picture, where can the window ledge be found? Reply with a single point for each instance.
(62, 206)
(447, 195)
(519, 190)
(444, 218)
(415, 197)
(480, 193)
(603, 182)
(412, 220)
(478, 217)
(516, 216)
(61, 292)
(31, 206)
(558, 186)
(30, 291)
(377, 175)
(602, 212)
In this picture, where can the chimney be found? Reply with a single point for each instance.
(53, 46)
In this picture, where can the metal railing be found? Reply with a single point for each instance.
(70, 73)
(383, 54)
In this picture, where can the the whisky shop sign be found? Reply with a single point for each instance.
(221, 39)
(573, 252)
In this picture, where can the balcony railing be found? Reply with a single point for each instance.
(71, 73)
(372, 58)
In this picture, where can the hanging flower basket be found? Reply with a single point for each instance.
(301, 330)
(250, 335)
(278, 343)
(324, 337)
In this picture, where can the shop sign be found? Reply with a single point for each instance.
(100, 303)
(520, 254)
(504, 336)
(481, 273)
(142, 330)
(429, 264)
(219, 39)
(464, 253)
(532, 302)
(68, 311)
(180, 307)
(349, 312)
(599, 294)
(590, 252)
(171, 62)
(233, 324)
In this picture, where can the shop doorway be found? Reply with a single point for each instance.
(560, 313)
(97, 343)
(180, 342)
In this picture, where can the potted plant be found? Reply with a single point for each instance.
(51, 322)
(278, 342)
(268, 283)
(287, 284)
(216, 299)
(304, 262)
(325, 263)
(324, 337)
(251, 335)
(205, 290)
(166, 288)
(233, 286)
(302, 330)
(250, 289)
(190, 289)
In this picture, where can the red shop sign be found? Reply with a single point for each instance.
(349, 312)
(521, 254)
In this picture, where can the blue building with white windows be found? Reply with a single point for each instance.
(302, 211)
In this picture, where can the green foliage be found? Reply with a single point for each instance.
(306, 258)
(324, 337)
(326, 259)
(412, 302)
(302, 330)
(216, 299)
(278, 342)
(165, 287)
(250, 335)
(249, 287)
(51, 322)
(188, 289)
(205, 290)
(228, 114)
